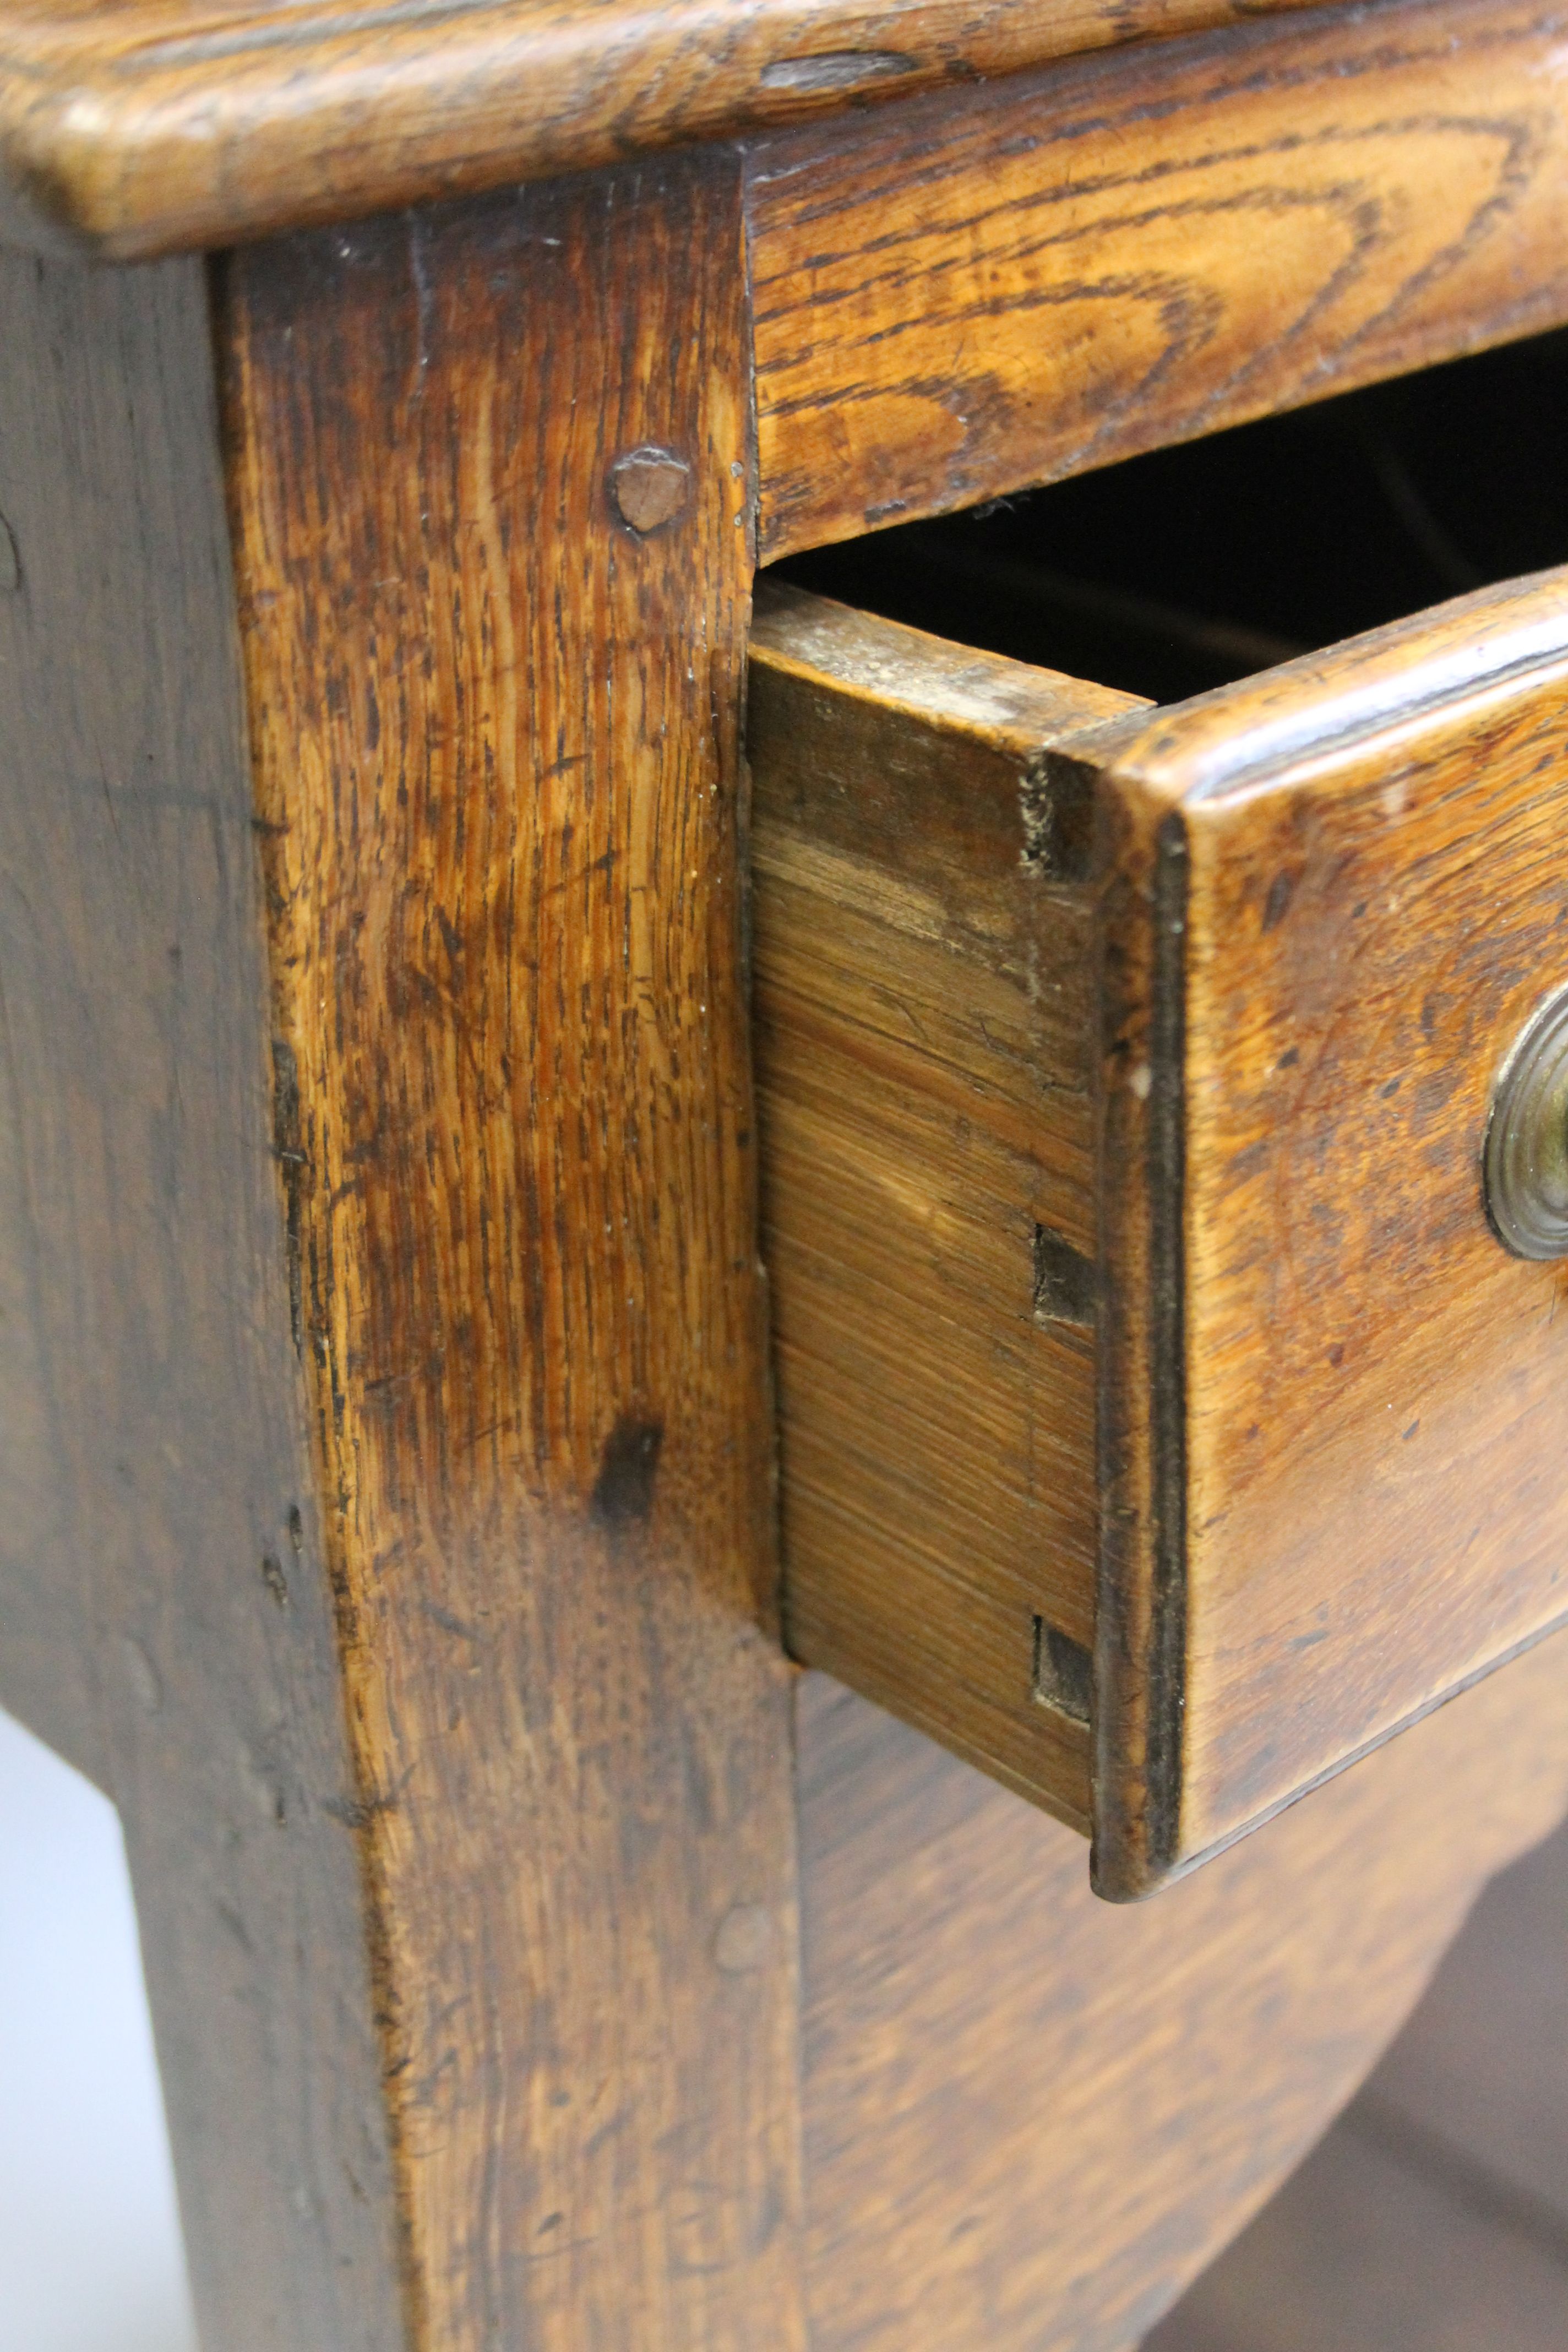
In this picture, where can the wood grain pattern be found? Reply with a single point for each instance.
(1005, 285)
(1333, 1410)
(137, 126)
(924, 1015)
(165, 1608)
(1032, 2117)
(496, 734)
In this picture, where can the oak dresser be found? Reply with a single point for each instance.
(784, 1117)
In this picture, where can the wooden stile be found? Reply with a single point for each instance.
(499, 827)
(164, 1601)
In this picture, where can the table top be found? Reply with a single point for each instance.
(131, 127)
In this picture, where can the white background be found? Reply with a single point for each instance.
(89, 2247)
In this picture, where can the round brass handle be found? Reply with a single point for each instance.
(1525, 1160)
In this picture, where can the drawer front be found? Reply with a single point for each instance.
(1274, 947)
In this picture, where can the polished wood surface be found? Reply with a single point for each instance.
(1334, 1451)
(496, 735)
(138, 126)
(165, 1613)
(1031, 2117)
(1011, 283)
(924, 994)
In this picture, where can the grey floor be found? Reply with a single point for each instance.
(1434, 2218)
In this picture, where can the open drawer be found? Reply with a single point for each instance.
(1164, 1419)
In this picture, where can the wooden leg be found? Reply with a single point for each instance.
(160, 1556)
(391, 1317)
(488, 481)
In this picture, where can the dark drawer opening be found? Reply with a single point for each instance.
(1195, 566)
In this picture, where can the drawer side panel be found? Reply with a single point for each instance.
(922, 1005)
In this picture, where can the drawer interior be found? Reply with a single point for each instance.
(1193, 566)
(924, 989)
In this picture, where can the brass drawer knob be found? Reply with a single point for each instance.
(1526, 1157)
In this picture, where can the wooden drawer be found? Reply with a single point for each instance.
(1147, 1359)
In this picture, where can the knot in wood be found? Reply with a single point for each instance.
(650, 487)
